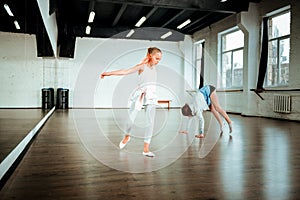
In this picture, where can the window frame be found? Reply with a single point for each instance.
(220, 59)
(272, 15)
(196, 60)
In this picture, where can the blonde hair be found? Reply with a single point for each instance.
(152, 50)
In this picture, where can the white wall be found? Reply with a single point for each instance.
(247, 102)
(23, 74)
(113, 54)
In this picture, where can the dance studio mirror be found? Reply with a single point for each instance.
(15, 124)
(21, 84)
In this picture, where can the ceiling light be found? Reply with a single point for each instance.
(130, 33)
(184, 24)
(140, 22)
(17, 25)
(8, 10)
(88, 30)
(164, 36)
(222, 1)
(91, 17)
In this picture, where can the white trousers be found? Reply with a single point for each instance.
(150, 116)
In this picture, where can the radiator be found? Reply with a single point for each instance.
(282, 103)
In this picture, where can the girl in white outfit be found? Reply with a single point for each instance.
(144, 95)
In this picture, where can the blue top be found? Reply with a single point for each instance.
(206, 94)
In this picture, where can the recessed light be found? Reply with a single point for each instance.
(164, 36)
(184, 24)
(88, 30)
(140, 22)
(91, 17)
(17, 25)
(8, 10)
(130, 33)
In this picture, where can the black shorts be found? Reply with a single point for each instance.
(211, 88)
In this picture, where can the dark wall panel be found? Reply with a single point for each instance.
(44, 48)
(67, 46)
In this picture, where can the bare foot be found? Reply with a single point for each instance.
(230, 127)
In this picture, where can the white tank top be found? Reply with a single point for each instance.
(148, 76)
(147, 83)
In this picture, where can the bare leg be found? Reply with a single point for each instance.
(219, 109)
(146, 147)
(217, 116)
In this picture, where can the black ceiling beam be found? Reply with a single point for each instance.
(173, 18)
(151, 12)
(92, 5)
(147, 33)
(232, 6)
(198, 20)
(105, 32)
(120, 13)
(153, 33)
(206, 23)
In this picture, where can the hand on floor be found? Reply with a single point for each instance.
(201, 135)
(183, 132)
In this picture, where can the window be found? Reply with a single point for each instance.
(199, 48)
(232, 51)
(278, 50)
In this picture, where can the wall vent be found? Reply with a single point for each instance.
(282, 103)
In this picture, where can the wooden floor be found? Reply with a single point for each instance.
(76, 156)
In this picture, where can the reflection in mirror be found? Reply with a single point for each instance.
(15, 124)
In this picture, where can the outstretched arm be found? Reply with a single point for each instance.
(201, 122)
(125, 71)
